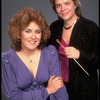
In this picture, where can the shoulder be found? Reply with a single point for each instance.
(7, 55)
(87, 22)
(50, 50)
(86, 27)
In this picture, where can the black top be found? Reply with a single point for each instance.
(84, 38)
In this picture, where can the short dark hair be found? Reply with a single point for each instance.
(21, 20)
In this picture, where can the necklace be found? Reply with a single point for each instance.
(71, 25)
(30, 60)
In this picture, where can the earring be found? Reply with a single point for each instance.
(18, 38)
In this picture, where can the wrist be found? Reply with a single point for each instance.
(48, 91)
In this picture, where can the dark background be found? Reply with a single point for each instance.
(90, 10)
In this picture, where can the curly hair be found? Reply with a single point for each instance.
(21, 20)
(76, 3)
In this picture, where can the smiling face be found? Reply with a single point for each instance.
(31, 37)
(65, 9)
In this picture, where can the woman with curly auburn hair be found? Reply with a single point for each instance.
(21, 20)
(79, 50)
(31, 70)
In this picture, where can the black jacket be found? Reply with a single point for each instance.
(84, 38)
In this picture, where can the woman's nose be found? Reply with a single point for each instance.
(33, 35)
(63, 7)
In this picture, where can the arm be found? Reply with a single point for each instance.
(89, 53)
(61, 93)
(11, 87)
(87, 44)
(54, 84)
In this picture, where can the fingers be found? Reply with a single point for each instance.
(52, 77)
(58, 81)
(54, 84)
(55, 78)
(72, 52)
(69, 52)
(68, 49)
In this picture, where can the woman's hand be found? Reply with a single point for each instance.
(72, 52)
(54, 84)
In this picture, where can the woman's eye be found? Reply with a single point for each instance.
(57, 6)
(67, 3)
(38, 31)
(28, 31)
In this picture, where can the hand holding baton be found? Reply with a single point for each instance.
(74, 59)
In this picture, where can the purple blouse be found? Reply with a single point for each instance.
(64, 62)
(18, 82)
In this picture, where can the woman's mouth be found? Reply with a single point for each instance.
(64, 14)
(32, 42)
